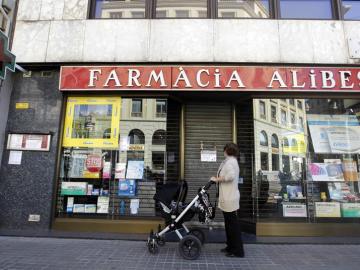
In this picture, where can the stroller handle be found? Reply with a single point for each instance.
(208, 185)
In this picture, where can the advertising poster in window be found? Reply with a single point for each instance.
(351, 210)
(334, 133)
(294, 210)
(294, 143)
(92, 122)
(327, 209)
(135, 169)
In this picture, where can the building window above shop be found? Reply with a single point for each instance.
(264, 159)
(300, 104)
(283, 117)
(273, 114)
(160, 108)
(263, 139)
(181, 9)
(275, 162)
(293, 120)
(306, 9)
(136, 108)
(115, 9)
(159, 137)
(274, 141)
(230, 9)
(243, 9)
(292, 101)
(351, 9)
(136, 137)
(262, 109)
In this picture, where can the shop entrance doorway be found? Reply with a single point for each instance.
(208, 127)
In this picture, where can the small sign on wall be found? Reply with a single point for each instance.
(34, 218)
(15, 157)
(29, 142)
(22, 105)
(208, 155)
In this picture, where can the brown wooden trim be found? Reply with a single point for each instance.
(307, 229)
(108, 226)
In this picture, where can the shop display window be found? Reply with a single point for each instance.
(111, 162)
(314, 176)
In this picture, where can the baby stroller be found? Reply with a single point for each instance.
(175, 211)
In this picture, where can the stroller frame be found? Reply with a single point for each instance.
(190, 244)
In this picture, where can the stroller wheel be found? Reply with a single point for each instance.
(153, 247)
(190, 247)
(160, 241)
(199, 234)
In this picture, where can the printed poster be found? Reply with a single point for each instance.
(325, 172)
(120, 170)
(135, 169)
(73, 188)
(294, 210)
(102, 205)
(327, 209)
(334, 133)
(208, 155)
(127, 188)
(350, 210)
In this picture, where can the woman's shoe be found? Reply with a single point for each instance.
(225, 250)
(232, 255)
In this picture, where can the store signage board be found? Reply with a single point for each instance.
(294, 210)
(209, 78)
(29, 142)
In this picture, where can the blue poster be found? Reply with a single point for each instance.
(127, 188)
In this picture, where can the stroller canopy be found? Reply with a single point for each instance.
(172, 191)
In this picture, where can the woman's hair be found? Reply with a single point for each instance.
(231, 149)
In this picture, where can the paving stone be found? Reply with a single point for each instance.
(77, 254)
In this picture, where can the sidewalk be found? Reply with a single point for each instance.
(55, 253)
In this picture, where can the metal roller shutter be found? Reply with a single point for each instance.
(209, 123)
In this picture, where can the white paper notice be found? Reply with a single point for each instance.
(34, 142)
(15, 157)
(208, 156)
(134, 206)
(15, 141)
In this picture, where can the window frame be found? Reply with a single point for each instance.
(137, 114)
(212, 11)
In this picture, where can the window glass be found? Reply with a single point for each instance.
(181, 9)
(243, 9)
(299, 105)
(273, 114)
(274, 141)
(275, 162)
(264, 158)
(107, 181)
(136, 107)
(262, 109)
(263, 138)
(283, 117)
(116, 9)
(160, 108)
(351, 9)
(306, 9)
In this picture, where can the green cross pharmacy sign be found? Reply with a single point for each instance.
(7, 59)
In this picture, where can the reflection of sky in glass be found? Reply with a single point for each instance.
(85, 110)
(306, 9)
(351, 9)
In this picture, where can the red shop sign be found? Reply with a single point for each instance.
(211, 78)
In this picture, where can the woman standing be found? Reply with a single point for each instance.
(229, 200)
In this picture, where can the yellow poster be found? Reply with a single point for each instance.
(294, 143)
(92, 122)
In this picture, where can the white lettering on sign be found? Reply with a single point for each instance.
(277, 77)
(295, 80)
(133, 78)
(113, 77)
(344, 79)
(198, 77)
(156, 78)
(327, 76)
(93, 76)
(182, 77)
(235, 77)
